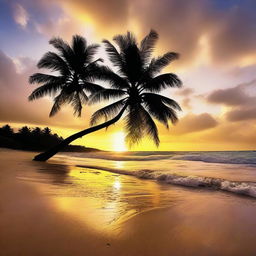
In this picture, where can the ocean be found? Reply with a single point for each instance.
(229, 171)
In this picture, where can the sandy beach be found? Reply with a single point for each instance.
(57, 208)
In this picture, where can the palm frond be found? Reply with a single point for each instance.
(44, 78)
(114, 56)
(76, 104)
(133, 63)
(90, 52)
(107, 112)
(139, 123)
(106, 94)
(53, 61)
(79, 45)
(61, 99)
(104, 73)
(157, 97)
(147, 46)
(159, 110)
(150, 127)
(156, 65)
(134, 125)
(65, 50)
(125, 41)
(131, 57)
(161, 82)
(84, 98)
(91, 87)
(46, 89)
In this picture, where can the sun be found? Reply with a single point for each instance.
(119, 142)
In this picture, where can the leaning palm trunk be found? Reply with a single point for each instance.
(54, 150)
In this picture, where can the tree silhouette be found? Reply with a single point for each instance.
(24, 130)
(74, 65)
(46, 131)
(6, 130)
(136, 85)
(37, 131)
(33, 139)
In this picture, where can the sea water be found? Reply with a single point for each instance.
(230, 171)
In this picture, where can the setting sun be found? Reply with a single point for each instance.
(119, 142)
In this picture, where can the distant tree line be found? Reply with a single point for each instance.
(33, 138)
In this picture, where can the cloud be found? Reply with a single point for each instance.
(186, 103)
(236, 135)
(186, 100)
(185, 92)
(230, 97)
(199, 30)
(242, 114)
(64, 27)
(15, 89)
(240, 99)
(233, 38)
(107, 17)
(20, 15)
(195, 123)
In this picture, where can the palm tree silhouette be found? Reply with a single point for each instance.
(74, 64)
(136, 83)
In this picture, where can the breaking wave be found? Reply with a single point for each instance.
(237, 187)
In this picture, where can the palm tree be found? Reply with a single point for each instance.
(74, 64)
(136, 83)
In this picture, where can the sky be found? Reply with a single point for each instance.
(215, 38)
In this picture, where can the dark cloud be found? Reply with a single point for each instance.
(241, 114)
(230, 97)
(240, 95)
(195, 123)
(242, 99)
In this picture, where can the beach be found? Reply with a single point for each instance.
(63, 207)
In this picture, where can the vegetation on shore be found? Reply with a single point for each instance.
(34, 139)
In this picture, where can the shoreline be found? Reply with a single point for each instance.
(57, 209)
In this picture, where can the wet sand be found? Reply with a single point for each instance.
(56, 208)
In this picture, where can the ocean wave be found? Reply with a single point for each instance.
(121, 156)
(218, 158)
(236, 187)
(228, 157)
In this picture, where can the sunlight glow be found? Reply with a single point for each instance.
(119, 142)
(117, 184)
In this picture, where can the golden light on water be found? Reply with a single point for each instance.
(119, 142)
(117, 184)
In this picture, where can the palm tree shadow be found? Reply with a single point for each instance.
(56, 174)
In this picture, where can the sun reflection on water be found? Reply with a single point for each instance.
(117, 184)
(104, 200)
(119, 164)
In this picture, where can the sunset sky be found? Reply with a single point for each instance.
(216, 40)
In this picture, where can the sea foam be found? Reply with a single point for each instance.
(237, 187)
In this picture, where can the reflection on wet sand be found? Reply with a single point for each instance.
(108, 198)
